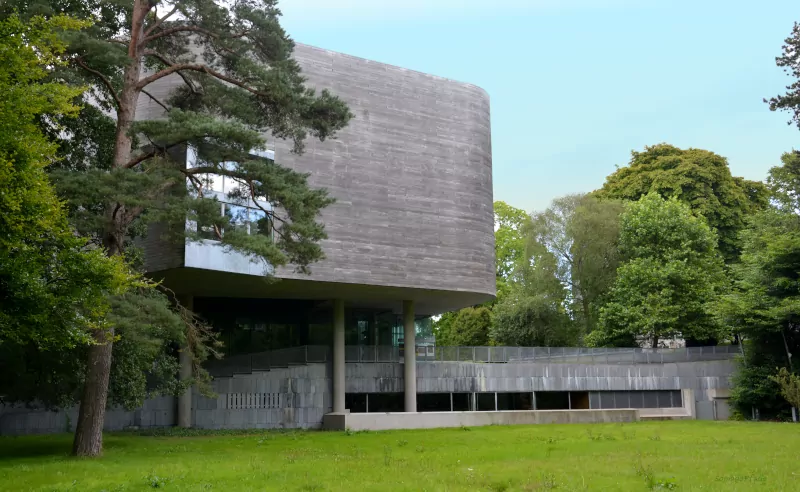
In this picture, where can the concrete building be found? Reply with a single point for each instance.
(410, 235)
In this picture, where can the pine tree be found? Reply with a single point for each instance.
(238, 83)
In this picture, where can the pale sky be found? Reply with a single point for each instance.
(575, 85)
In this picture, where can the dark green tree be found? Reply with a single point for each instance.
(790, 101)
(467, 327)
(763, 303)
(237, 84)
(762, 307)
(671, 271)
(699, 178)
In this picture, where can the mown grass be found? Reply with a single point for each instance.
(724, 456)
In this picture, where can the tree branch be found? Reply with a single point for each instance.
(212, 170)
(160, 21)
(155, 100)
(103, 79)
(140, 158)
(195, 68)
(198, 186)
(173, 30)
(154, 151)
(169, 63)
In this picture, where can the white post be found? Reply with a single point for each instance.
(338, 356)
(410, 356)
(185, 373)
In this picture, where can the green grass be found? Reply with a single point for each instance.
(724, 456)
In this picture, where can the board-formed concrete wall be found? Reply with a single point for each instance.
(444, 377)
(295, 397)
(299, 396)
(16, 420)
(434, 420)
(411, 173)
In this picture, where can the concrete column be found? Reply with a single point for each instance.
(185, 372)
(410, 356)
(338, 356)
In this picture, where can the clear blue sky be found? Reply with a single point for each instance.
(575, 85)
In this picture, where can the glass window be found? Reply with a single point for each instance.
(622, 399)
(238, 216)
(261, 223)
(607, 400)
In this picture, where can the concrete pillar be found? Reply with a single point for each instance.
(410, 356)
(338, 356)
(185, 372)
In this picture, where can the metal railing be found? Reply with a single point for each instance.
(311, 354)
(622, 355)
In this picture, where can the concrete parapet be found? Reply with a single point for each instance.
(430, 420)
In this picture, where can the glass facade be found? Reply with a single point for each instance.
(244, 214)
(257, 325)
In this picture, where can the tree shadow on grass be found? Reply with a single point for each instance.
(41, 446)
(12, 448)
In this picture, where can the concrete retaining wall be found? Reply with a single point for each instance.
(296, 397)
(17, 420)
(468, 377)
(389, 421)
(299, 397)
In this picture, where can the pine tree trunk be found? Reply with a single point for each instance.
(89, 431)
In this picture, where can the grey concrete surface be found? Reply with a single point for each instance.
(411, 173)
(409, 357)
(18, 420)
(443, 377)
(299, 396)
(412, 176)
(338, 379)
(431, 420)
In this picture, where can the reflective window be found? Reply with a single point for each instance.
(261, 223)
(239, 217)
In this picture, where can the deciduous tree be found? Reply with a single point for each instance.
(534, 313)
(582, 233)
(467, 327)
(671, 271)
(509, 241)
(53, 287)
(697, 177)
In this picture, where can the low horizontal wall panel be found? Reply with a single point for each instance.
(430, 420)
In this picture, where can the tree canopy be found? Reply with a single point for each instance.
(509, 243)
(53, 289)
(582, 233)
(697, 177)
(468, 327)
(670, 272)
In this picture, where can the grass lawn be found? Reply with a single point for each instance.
(725, 456)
